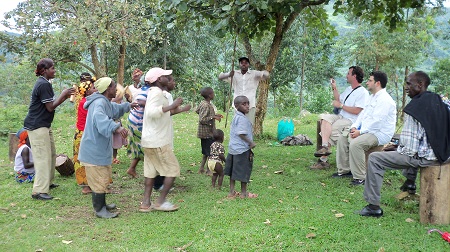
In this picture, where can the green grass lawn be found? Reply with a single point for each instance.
(295, 211)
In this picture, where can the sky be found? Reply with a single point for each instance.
(8, 5)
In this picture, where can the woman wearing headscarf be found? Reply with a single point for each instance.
(96, 148)
(85, 88)
(23, 163)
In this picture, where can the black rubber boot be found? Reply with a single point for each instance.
(98, 201)
(111, 206)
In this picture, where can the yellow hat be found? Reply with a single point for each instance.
(102, 84)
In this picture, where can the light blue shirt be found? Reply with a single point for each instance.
(240, 125)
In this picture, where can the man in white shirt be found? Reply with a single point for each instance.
(245, 83)
(375, 126)
(347, 107)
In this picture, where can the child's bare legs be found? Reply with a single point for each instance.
(202, 164)
(244, 193)
(148, 182)
(218, 172)
(115, 160)
(232, 191)
(168, 183)
(132, 169)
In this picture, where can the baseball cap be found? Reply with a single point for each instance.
(244, 58)
(154, 73)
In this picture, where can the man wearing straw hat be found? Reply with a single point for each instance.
(245, 83)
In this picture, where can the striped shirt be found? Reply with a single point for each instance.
(136, 115)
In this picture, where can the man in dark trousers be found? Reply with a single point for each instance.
(424, 142)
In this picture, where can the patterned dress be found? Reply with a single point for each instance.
(135, 122)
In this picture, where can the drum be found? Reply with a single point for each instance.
(64, 165)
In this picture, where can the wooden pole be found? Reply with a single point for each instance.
(231, 83)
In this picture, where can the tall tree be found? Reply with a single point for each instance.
(82, 31)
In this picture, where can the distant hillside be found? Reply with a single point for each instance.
(441, 33)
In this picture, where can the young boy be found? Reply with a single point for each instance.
(217, 158)
(157, 138)
(239, 162)
(96, 152)
(206, 124)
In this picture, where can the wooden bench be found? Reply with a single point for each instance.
(13, 143)
(434, 195)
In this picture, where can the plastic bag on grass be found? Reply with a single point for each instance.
(285, 128)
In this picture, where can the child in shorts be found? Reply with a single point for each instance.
(206, 124)
(239, 162)
(217, 158)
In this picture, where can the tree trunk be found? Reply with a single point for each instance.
(282, 25)
(121, 63)
(261, 107)
(303, 75)
(98, 66)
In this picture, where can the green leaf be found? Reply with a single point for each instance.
(182, 7)
(226, 8)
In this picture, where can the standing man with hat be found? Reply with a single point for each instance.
(245, 83)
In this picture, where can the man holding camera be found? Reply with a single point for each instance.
(347, 107)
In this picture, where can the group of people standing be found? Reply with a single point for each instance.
(360, 122)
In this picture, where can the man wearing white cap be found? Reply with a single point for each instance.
(157, 138)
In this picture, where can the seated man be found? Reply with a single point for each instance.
(347, 107)
(423, 142)
(375, 126)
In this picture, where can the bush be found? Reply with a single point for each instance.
(318, 100)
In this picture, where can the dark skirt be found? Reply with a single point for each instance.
(239, 167)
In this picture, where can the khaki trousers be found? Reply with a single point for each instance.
(351, 154)
(44, 156)
(98, 177)
(338, 125)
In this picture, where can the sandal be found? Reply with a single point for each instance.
(166, 207)
(249, 195)
(144, 209)
(234, 195)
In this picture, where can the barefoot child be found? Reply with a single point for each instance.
(217, 158)
(239, 162)
(96, 152)
(23, 163)
(206, 124)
